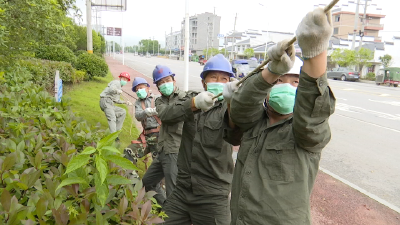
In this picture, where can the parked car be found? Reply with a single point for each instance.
(343, 74)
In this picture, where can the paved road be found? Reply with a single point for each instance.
(365, 148)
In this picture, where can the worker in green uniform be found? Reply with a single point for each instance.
(146, 114)
(205, 164)
(110, 95)
(282, 142)
(170, 134)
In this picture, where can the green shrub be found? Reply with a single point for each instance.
(370, 76)
(56, 53)
(79, 52)
(57, 169)
(44, 71)
(78, 77)
(94, 65)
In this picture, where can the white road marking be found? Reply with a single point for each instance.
(341, 99)
(386, 102)
(376, 198)
(376, 125)
(355, 109)
(384, 95)
(349, 89)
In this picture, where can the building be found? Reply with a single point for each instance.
(255, 39)
(203, 30)
(173, 42)
(343, 17)
(378, 48)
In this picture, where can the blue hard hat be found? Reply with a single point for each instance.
(160, 72)
(137, 81)
(217, 63)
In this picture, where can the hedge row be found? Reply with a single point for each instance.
(56, 168)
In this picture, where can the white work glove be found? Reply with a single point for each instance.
(282, 58)
(229, 89)
(314, 32)
(154, 112)
(204, 101)
(150, 111)
(119, 91)
(128, 103)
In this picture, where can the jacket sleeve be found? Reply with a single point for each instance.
(231, 135)
(114, 86)
(175, 112)
(314, 104)
(140, 115)
(247, 103)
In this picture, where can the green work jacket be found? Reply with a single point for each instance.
(170, 134)
(277, 164)
(205, 163)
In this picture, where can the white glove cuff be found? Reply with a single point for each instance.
(314, 50)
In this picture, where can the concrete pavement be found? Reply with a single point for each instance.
(364, 149)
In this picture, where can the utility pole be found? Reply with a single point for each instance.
(363, 24)
(153, 45)
(148, 46)
(89, 26)
(353, 44)
(212, 37)
(170, 37)
(266, 46)
(234, 39)
(186, 78)
(122, 40)
(225, 46)
(208, 34)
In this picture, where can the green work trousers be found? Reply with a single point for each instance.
(115, 115)
(163, 166)
(185, 208)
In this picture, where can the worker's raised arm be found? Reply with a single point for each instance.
(178, 111)
(315, 101)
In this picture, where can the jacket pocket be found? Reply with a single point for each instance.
(212, 134)
(278, 162)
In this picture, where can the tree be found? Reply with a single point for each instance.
(343, 57)
(146, 45)
(224, 52)
(248, 52)
(26, 25)
(386, 60)
(210, 52)
(363, 58)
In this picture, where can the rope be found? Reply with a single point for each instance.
(292, 41)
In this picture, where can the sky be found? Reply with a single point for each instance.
(152, 18)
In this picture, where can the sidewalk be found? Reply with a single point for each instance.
(332, 202)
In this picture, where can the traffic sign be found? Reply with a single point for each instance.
(58, 87)
(220, 35)
(114, 31)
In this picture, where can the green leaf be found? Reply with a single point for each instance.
(5, 200)
(101, 190)
(102, 168)
(41, 207)
(9, 161)
(111, 149)
(77, 162)
(71, 180)
(107, 141)
(122, 162)
(21, 146)
(38, 159)
(117, 179)
(88, 150)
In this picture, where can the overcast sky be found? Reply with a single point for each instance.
(147, 18)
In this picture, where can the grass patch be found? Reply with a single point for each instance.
(85, 98)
